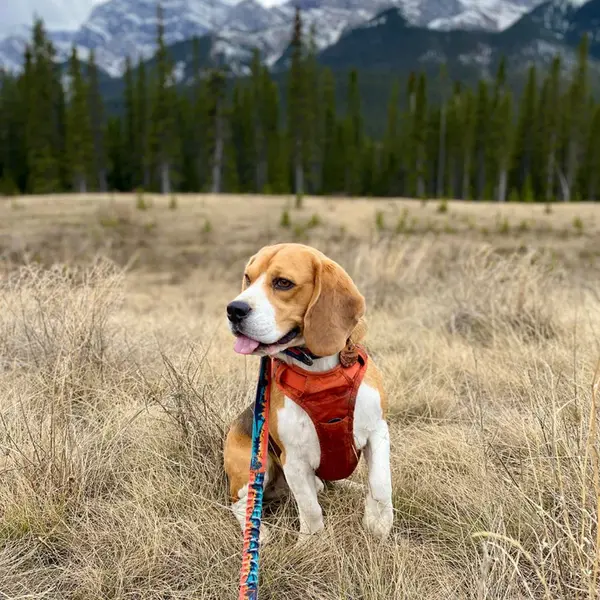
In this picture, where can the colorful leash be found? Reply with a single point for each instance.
(258, 468)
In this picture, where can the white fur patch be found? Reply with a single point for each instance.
(261, 323)
(367, 414)
(303, 454)
(379, 513)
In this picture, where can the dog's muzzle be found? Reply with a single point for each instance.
(237, 311)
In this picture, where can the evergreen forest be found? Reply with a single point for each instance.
(220, 133)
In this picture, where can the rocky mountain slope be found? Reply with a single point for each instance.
(120, 28)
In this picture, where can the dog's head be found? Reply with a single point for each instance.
(293, 295)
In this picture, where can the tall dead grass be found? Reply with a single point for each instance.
(116, 389)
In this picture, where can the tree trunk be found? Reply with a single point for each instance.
(80, 184)
(481, 174)
(420, 177)
(261, 162)
(502, 184)
(217, 169)
(316, 170)
(442, 155)
(102, 180)
(564, 185)
(571, 168)
(263, 174)
(165, 178)
(592, 188)
(454, 171)
(146, 177)
(550, 176)
(466, 179)
(299, 176)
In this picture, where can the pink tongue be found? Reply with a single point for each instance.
(244, 345)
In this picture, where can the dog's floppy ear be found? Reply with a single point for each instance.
(334, 310)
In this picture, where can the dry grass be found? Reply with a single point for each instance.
(116, 385)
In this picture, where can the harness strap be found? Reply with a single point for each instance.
(329, 399)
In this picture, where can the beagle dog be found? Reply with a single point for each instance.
(304, 310)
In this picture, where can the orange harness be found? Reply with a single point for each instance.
(328, 398)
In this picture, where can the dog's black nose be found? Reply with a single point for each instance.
(237, 311)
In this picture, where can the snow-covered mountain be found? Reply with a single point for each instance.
(120, 28)
(330, 18)
(324, 21)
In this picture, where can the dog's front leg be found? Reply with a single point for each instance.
(303, 484)
(379, 514)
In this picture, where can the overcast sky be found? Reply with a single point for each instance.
(57, 14)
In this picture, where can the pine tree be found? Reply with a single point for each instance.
(131, 157)
(419, 134)
(297, 120)
(526, 134)
(314, 116)
(243, 132)
(454, 141)
(432, 150)
(185, 131)
(96, 108)
(275, 141)
(389, 180)
(441, 158)
(578, 120)
(216, 105)
(41, 89)
(591, 165)
(497, 131)
(119, 177)
(369, 167)
(13, 149)
(354, 137)
(198, 134)
(408, 142)
(6, 176)
(163, 117)
(79, 134)
(468, 124)
(258, 125)
(481, 138)
(503, 143)
(142, 128)
(216, 82)
(330, 168)
(551, 127)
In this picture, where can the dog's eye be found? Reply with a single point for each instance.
(279, 283)
(247, 279)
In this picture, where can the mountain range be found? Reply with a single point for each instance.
(373, 34)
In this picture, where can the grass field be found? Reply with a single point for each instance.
(118, 379)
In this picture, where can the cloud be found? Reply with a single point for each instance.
(57, 14)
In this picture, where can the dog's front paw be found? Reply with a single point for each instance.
(265, 535)
(307, 535)
(319, 485)
(309, 527)
(378, 518)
